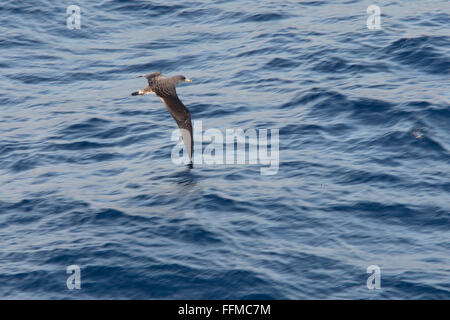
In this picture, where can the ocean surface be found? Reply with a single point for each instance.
(87, 178)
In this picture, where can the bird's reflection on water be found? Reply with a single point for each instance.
(185, 176)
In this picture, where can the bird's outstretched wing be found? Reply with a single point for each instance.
(182, 117)
(152, 77)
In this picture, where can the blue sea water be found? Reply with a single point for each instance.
(87, 179)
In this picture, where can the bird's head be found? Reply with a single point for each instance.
(179, 79)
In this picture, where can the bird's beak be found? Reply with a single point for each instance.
(188, 80)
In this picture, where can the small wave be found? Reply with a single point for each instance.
(422, 53)
(263, 17)
(398, 213)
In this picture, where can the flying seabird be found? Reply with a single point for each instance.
(165, 89)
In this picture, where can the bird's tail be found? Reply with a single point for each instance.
(136, 93)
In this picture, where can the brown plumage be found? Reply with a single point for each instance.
(165, 88)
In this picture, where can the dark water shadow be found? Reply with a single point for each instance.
(186, 176)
